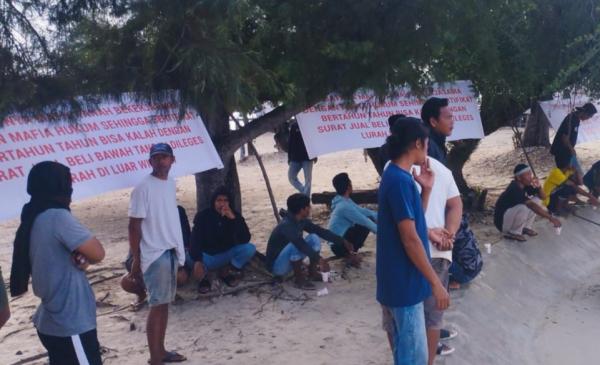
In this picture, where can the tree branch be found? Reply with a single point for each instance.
(257, 127)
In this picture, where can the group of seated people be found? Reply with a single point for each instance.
(219, 245)
(524, 198)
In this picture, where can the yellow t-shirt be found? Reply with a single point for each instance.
(554, 180)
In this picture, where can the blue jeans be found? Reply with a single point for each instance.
(283, 263)
(458, 274)
(410, 340)
(293, 171)
(237, 256)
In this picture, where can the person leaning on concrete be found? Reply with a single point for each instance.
(591, 179)
(565, 139)
(349, 220)
(221, 240)
(156, 244)
(561, 187)
(55, 249)
(518, 205)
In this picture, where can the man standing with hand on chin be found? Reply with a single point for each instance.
(405, 277)
(156, 245)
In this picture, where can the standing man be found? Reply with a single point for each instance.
(518, 205)
(156, 244)
(55, 249)
(443, 216)
(298, 160)
(405, 277)
(566, 137)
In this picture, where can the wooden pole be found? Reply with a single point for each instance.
(252, 149)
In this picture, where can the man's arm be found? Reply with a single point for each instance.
(582, 191)
(356, 216)
(537, 209)
(325, 234)
(417, 255)
(135, 237)
(454, 211)
(567, 143)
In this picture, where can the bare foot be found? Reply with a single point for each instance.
(454, 285)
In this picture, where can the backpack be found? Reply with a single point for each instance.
(465, 253)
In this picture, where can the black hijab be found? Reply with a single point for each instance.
(50, 186)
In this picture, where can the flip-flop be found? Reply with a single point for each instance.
(172, 356)
(305, 285)
(515, 237)
(204, 287)
(529, 232)
(231, 281)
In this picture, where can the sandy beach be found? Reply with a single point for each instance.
(263, 325)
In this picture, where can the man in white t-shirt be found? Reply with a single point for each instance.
(156, 245)
(443, 214)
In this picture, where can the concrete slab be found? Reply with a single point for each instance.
(536, 302)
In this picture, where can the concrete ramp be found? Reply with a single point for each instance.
(536, 302)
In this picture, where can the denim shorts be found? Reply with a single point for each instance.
(161, 279)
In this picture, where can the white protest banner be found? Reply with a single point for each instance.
(556, 110)
(106, 150)
(330, 127)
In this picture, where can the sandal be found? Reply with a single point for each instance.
(231, 280)
(515, 237)
(305, 285)
(172, 356)
(529, 232)
(204, 287)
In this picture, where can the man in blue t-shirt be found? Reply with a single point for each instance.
(405, 277)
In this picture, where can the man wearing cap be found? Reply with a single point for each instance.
(518, 205)
(566, 137)
(156, 244)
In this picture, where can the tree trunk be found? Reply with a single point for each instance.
(217, 124)
(457, 158)
(536, 130)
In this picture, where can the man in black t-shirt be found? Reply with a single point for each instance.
(518, 205)
(566, 136)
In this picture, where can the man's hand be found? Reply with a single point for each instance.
(79, 261)
(535, 183)
(441, 296)
(324, 265)
(425, 177)
(555, 221)
(136, 268)
(349, 246)
(593, 201)
(441, 238)
(227, 212)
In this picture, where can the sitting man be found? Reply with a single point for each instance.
(561, 187)
(591, 179)
(221, 240)
(349, 220)
(287, 248)
(518, 205)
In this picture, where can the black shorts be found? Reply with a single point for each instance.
(563, 192)
(357, 235)
(74, 350)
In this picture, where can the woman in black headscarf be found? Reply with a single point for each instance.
(53, 248)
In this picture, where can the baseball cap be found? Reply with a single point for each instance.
(161, 148)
